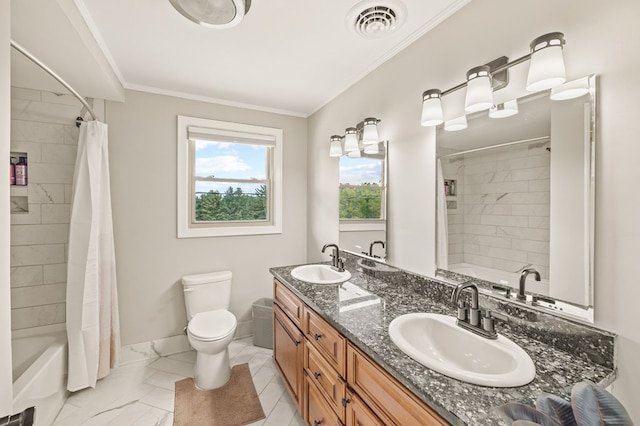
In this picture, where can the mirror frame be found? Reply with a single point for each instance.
(546, 303)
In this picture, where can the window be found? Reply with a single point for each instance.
(362, 191)
(229, 178)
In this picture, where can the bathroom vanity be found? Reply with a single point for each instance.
(333, 350)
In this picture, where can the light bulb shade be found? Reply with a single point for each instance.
(546, 69)
(370, 131)
(354, 154)
(371, 149)
(432, 108)
(479, 95)
(335, 150)
(570, 90)
(503, 110)
(350, 139)
(455, 124)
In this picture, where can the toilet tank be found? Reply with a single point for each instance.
(206, 292)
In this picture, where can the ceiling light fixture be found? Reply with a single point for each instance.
(213, 13)
(546, 71)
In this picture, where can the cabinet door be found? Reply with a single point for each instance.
(317, 412)
(288, 344)
(386, 397)
(358, 414)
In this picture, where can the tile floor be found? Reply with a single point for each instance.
(142, 393)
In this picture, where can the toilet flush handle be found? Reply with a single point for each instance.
(188, 290)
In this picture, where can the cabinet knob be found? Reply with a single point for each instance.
(317, 336)
(317, 422)
(345, 401)
(316, 375)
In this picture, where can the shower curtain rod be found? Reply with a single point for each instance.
(54, 75)
(500, 145)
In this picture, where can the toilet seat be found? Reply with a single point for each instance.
(212, 325)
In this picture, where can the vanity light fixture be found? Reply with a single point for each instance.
(351, 139)
(546, 71)
(336, 146)
(571, 89)
(505, 109)
(363, 137)
(370, 131)
(479, 95)
(455, 124)
(432, 108)
(371, 149)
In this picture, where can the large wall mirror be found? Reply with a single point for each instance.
(515, 197)
(363, 202)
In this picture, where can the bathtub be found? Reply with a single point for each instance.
(511, 279)
(40, 371)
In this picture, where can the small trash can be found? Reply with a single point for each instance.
(262, 311)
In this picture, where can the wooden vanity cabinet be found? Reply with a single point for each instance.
(332, 381)
(358, 414)
(393, 403)
(288, 347)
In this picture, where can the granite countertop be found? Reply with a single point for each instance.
(564, 353)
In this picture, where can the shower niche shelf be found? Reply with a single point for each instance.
(19, 194)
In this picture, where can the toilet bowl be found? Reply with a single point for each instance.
(211, 326)
(210, 333)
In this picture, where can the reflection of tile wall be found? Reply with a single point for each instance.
(502, 215)
(43, 126)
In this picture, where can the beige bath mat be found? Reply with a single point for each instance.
(234, 404)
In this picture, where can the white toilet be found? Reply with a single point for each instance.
(211, 327)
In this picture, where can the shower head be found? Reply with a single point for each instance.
(213, 13)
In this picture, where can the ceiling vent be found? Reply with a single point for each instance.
(376, 18)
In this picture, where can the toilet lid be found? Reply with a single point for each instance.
(212, 325)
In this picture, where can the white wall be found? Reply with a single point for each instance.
(6, 391)
(602, 38)
(150, 259)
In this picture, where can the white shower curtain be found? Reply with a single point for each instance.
(442, 236)
(93, 326)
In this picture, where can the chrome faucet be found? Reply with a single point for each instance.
(523, 278)
(337, 262)
(470, 317)
(371, 247)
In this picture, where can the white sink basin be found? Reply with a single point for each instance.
(436, 342)
(320, 274)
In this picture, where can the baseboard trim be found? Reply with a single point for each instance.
(169, 346)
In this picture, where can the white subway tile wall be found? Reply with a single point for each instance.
(43, 127)
(501, 219)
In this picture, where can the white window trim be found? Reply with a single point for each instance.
(185, 228)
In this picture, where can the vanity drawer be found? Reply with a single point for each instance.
(317, 411)
(328, 381)
(326, 340)
(288, 302)
(386, 397)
